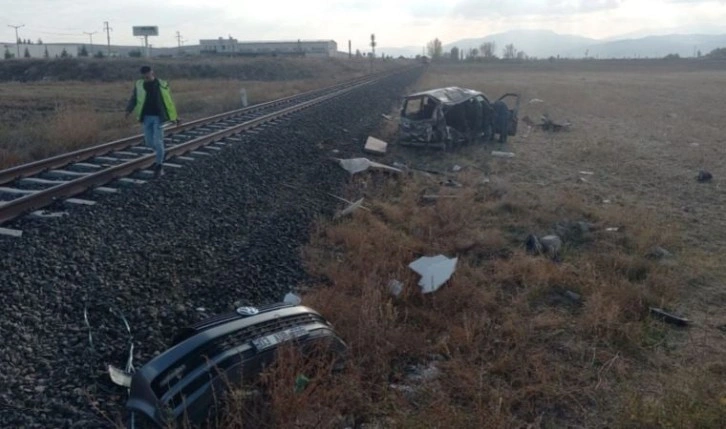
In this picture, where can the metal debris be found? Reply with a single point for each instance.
(456, 168)
(549, 124)
(349, 210)
(499, 154)
(535, 101)
(704, 176)
(667, 317)
(119, 377)
(434, 271)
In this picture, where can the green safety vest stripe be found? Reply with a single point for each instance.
(165, 97)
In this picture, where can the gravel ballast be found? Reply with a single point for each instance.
(223, 231)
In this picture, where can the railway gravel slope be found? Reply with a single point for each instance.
(220, 232)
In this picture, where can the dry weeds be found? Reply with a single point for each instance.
(512, 348)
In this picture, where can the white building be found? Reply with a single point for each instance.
(50, 50)
(230, 46)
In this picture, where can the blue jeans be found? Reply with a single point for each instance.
(154, 136)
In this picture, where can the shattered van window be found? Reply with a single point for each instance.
(413, 108)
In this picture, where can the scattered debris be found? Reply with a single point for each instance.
(456, 168)
(551, 244)
(499, 154)
(400, 165)
(535, 101)
(573, 296)
(292, 299)
(663, 315)
(119, 377)
(386, 117)
(434, 197)
(375, 146)
(422, 373)
(704, 176)
(357, 165)
(549, 124)
(658, 253)
(534, 246)
(395, 287)
(606, 201)
(451, 183)
(484, 181)
(695, 145)
(201, 309)
(587, 173)
(349, 210)
(434, 271)
(612, 229)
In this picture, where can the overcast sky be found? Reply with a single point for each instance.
(395, 22)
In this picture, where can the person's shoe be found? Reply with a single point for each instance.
(158, 170)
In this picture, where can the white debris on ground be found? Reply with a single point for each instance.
(292, 299)
(357, 165)
(434, 271)
(349, 210)
(375, 146)
(499, 154)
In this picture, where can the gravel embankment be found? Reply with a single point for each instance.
(222, 231)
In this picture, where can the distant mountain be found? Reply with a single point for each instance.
(685, 45)
(537, 43)
(545, 43)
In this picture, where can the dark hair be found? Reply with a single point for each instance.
(145, 69)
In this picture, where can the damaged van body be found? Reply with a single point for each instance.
(447, 117)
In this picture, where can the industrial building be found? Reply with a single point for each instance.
(230, 46)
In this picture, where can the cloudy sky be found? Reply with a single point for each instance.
(395, 22)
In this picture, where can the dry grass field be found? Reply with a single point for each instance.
(505, 344)
(43, 118)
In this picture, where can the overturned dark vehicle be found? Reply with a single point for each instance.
(449, 117)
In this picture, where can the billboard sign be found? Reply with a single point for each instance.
(146, 31)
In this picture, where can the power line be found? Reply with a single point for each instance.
(17, 38)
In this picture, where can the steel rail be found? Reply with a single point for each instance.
(19, 206)
(37, 167)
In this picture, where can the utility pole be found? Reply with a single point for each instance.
(90, 36)
(17, 38)
(178, 39)
(108, 30)
(373, 50)
(350, 50)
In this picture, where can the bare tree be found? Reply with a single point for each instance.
(454, 53)
(473, 53)
(510, 52)
(488, 50)
(435, 49)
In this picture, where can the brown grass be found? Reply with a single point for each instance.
(511, 348)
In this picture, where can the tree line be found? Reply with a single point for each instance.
(486, 51)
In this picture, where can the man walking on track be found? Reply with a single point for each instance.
(152, 105)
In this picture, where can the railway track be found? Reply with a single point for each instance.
(28, 188)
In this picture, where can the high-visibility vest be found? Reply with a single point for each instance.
(169, 108)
